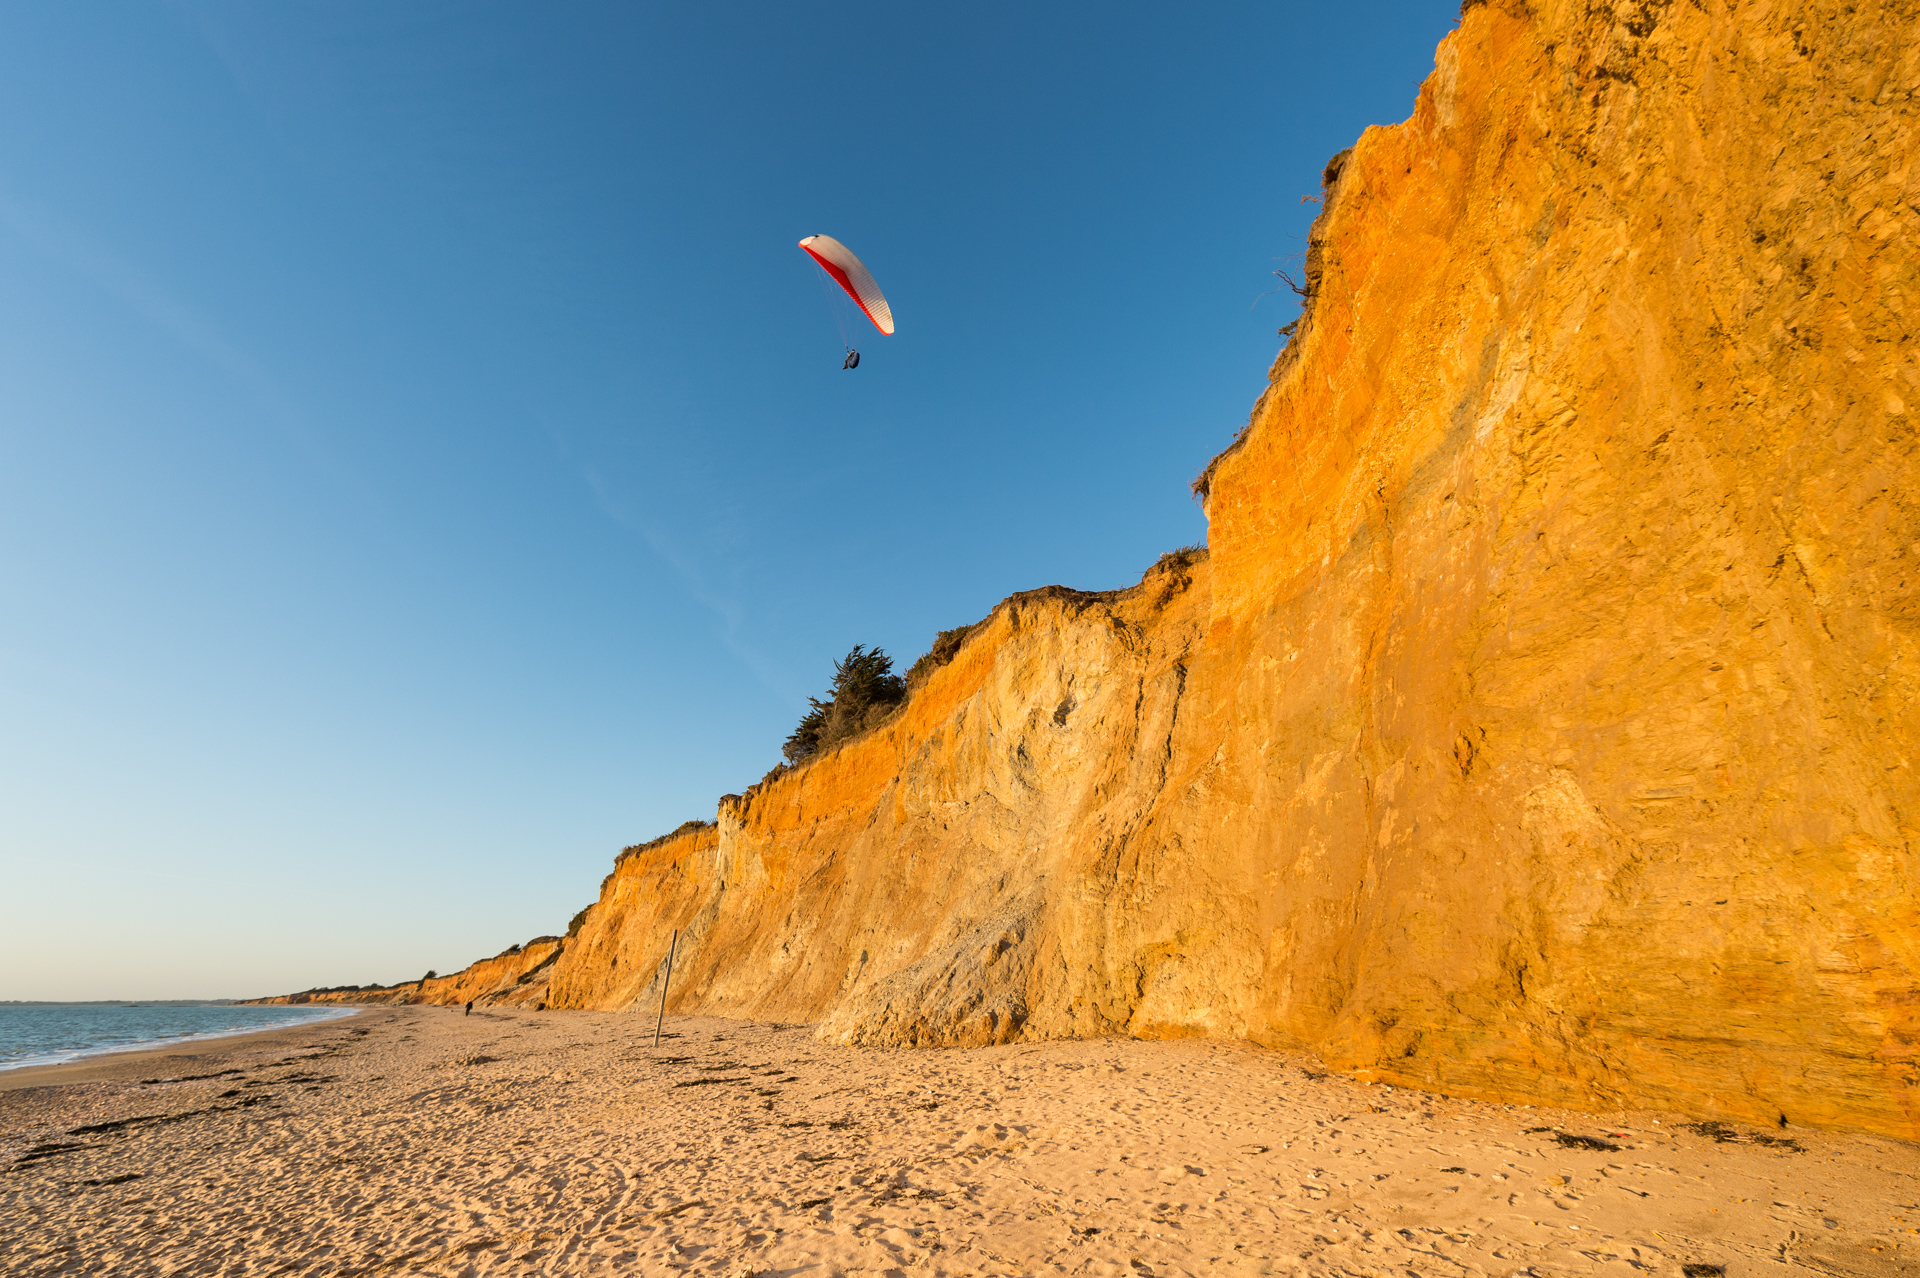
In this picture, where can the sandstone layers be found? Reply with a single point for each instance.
(1542, 723)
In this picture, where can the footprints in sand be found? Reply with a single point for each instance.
(198, 1109)
(437, 1147)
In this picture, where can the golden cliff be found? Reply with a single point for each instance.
(1541, 725)
(517, 975)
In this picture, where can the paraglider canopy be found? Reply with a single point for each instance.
(837, 260)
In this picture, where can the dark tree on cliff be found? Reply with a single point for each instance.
(865, 691)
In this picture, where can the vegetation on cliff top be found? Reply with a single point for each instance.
(1176, 560)
(945, 645)
(865, 691)
(685, 827)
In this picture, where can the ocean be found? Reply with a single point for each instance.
(49, 1033)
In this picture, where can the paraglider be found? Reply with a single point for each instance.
(851, 274)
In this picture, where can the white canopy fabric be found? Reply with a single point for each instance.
(852, 274)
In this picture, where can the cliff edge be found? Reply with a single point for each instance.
(1541, 724)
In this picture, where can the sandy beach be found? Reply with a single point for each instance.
(416, 1140)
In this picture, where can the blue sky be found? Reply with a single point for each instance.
(425, 462)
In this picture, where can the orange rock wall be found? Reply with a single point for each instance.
(517, 977)
(1569, 574)
(825, 883)
(622, 944)
(514, 978)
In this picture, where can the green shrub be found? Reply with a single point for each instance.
(573, 927)
(805, 739)
(865, 691)
(945, 645)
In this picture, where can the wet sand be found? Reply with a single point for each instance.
(133, 1064)
(414, 1140)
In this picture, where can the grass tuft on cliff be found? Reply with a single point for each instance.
(1178, 560)
(685, 827)
(945, 645)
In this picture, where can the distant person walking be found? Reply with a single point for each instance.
(469, 1007)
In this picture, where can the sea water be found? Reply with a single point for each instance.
(49, 1033)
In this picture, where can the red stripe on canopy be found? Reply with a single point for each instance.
(852, 276)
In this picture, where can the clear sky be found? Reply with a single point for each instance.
(425, 461)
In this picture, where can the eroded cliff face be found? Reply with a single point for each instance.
(912, 884)
(1589, 502)
(1542, 724)
(517, 976)
(1571, 569)
(654, 890)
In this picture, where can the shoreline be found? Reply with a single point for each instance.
(104, 1064)
(419, 1139)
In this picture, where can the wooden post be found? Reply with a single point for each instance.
(672, 945)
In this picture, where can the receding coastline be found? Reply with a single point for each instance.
(138, 1061)
(82, 1042)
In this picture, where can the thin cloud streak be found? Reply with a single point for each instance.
(726, 609)
(57, 241)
